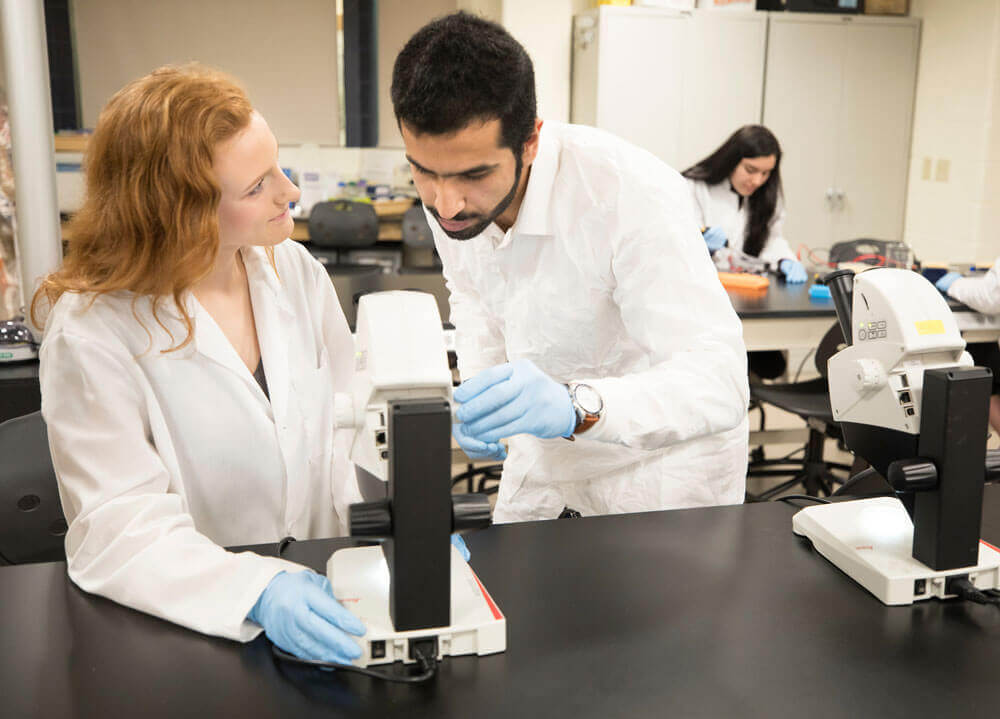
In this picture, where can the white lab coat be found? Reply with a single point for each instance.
(604, 279)
(980, 293)
(163, 459)
(719, 206)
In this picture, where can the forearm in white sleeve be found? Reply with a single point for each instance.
(980, 293)
(777, 248)
(674, 307)
(130, 538)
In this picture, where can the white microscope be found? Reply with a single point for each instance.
(910, 403)
(414, 592)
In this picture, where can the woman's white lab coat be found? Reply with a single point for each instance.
(719, 206)
(165, 458)
(980, 293)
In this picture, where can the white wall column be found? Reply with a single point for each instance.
(30, 111)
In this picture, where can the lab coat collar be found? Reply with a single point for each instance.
(534, 219)
(272, 313)
(262, 275)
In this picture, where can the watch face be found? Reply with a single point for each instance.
(588, 399)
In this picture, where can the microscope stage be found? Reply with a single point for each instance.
(871, 540)
(360, 580)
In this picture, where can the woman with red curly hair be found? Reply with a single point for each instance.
(190, 357)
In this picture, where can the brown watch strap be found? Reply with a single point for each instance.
(588, 421)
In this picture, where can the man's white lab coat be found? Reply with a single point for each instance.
(719, 206)
(165, 458)
(604, 279)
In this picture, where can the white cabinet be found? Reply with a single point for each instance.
(675, 83)
(837, 91)
(839, 96)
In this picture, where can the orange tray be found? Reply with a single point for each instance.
(743, 281)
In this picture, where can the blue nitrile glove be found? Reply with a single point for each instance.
(715, 238)
(459, 543)
(946, 281)
(475, 449)
(300, 615)
(514, 398)
(795, 273)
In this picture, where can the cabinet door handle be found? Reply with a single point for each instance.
(830, 194)
(839, 197)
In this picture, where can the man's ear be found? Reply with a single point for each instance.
(531, 144)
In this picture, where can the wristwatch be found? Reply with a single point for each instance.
(588, 406)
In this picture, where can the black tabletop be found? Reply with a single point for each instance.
(692, 613)
(781, 300)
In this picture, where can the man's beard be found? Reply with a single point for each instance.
(475, 229)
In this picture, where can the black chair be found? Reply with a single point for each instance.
(484, 473)
(810, 400)
(418, 240)
(32, 525)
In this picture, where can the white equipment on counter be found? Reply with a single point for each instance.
(414, 592)
(910, 403)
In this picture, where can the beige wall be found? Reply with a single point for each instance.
(397, 21)
(954, 214)
(544, 27)
(284, 53)
(546, 31)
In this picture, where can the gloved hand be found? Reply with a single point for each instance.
(300, 615)
(795, 273)
(514, 398)
(715, 238)
(459, 543)
(475, 449)
(946, 281)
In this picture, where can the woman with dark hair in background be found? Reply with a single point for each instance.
(738, 201)
(737, 197)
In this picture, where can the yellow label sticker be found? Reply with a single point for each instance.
(930, 327)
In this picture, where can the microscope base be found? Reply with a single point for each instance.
(360, 579)
(871, 540)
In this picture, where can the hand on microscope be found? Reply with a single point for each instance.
(300, 615)
(514, 398)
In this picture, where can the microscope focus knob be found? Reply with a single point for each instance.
(870, 374)
(912, 475)
(470, 511)
(371, 519)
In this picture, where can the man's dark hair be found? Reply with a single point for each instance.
(459, 69)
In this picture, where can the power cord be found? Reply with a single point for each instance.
(428, 667)
(428, 664)
(861, 476)
(802, 364)
(283, 544)
(805, 497)
(965, 589)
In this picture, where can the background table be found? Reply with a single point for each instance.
(718, 612)
(784, 317)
